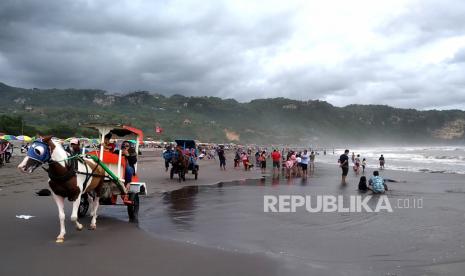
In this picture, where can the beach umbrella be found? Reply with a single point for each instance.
(8, 137)
(24, 138)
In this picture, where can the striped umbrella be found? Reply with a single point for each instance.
(8, 137)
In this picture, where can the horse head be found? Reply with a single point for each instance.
(39, 152)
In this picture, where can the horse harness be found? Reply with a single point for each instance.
(71, 164)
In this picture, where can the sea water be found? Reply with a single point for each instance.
(446, 159)
(230, 216)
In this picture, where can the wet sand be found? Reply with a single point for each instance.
(430, 241)
(116, 247)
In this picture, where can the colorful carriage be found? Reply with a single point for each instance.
(115, 190)
(188, 150)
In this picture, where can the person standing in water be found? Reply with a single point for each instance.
(364, 164)
(276, 156)
(312, 161)
(357, 165)
(305, 158)
(381, 162)
(262, 159)
(344, 164)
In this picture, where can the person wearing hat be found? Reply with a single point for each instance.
(74, 147)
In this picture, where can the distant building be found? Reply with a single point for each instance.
(290, 106)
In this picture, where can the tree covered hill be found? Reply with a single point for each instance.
(210, 119)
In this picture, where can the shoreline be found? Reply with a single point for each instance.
(33, 240)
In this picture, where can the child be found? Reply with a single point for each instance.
(362, 185)
(357, 165)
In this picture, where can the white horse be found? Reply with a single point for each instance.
(64, 180)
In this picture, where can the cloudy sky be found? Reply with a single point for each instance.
(401, 53)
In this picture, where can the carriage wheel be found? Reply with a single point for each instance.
(83, 206)
(133, 209)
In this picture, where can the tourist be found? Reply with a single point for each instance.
(353, 157)
(237, 158)
(364, 164)
(298, 161)
(357, 165)
(276, 157)
(312, 161)
(262, 159)
(8, 152)
(107, 145)
(245, 161)
(381, 162)
(377, 184)
(362, 184)
(305, 158)
(344, 164)
(257, 159)
(167, 155)
(222, 158)
(74, 147)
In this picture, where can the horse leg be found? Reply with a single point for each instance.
(74, 213)
(60, 201)
(94, 202)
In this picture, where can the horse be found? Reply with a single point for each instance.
(66, 179)
(180, 163)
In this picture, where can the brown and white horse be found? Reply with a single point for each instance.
(65, 180)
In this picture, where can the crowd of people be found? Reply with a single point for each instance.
(290, 162)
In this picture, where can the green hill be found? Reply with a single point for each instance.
(210, 119)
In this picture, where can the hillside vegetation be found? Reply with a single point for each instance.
(210, 119)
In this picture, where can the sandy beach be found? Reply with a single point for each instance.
(429, 241)
(116, 247)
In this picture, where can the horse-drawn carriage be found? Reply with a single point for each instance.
(183, 159)
(115, 192)
(91, 179)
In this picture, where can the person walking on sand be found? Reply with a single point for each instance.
(364, 164)
(381, 162)
(344, 164)
(353, 157)
(222, 158)
(8, 152)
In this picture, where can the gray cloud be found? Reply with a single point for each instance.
(237, 50)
